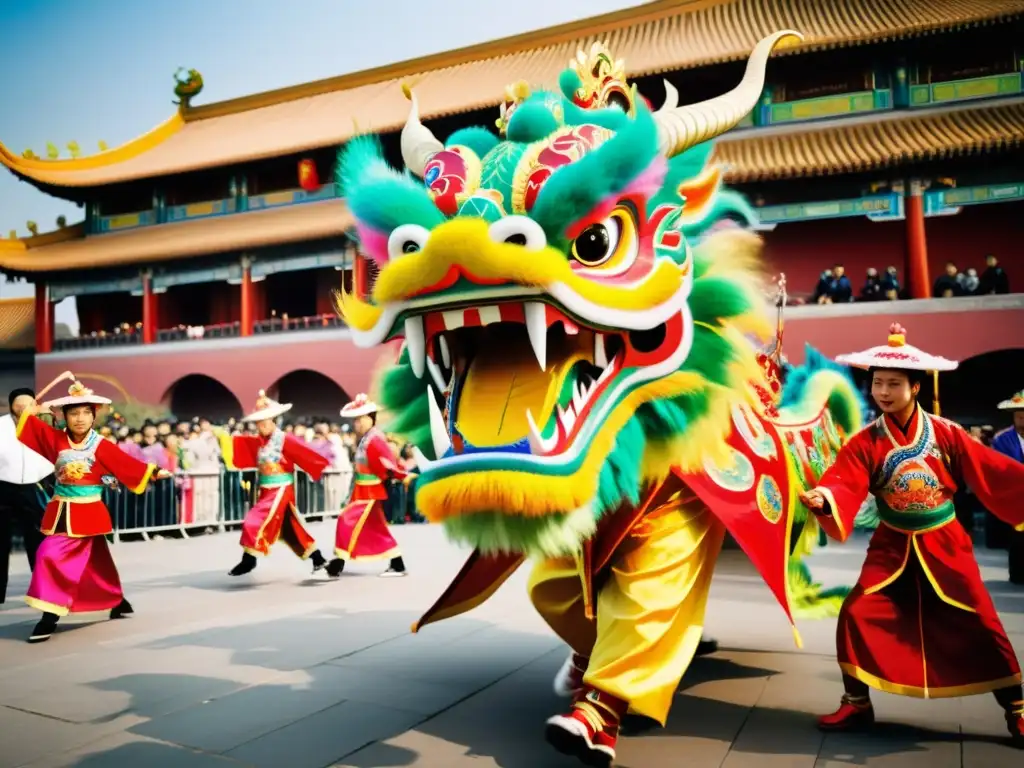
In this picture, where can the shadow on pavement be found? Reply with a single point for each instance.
(461, 689)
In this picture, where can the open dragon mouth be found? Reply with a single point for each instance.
(528, 379)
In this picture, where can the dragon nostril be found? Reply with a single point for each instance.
(649, 340)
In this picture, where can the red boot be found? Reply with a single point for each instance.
(590, 730)
(854, 712)
(1015, 724)
(569, 680)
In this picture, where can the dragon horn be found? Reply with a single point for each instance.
(418, 143)
(684, 127)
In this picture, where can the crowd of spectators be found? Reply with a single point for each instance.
(835, 287)
(201, 446)
(953, 282)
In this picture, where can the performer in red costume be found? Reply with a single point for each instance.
(274, 516)
(362, 532)
(919, 622)
(74, 571)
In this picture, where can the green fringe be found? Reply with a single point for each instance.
(807, 598)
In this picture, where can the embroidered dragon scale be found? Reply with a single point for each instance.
(576, 323)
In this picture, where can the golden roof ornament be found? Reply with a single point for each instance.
(603, 81)
(515, 94)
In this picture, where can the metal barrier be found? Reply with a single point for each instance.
(201, 500)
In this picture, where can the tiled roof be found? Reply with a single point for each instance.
(199, 237)
(866, 145)
(656, 37)
(17, 323)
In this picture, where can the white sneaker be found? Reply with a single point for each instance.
(569, 680)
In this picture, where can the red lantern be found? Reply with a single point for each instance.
(308, 178)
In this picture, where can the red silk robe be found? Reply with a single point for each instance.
(74, 571)
(274, 515)
(77, 506)
(920, 622)
(362, 532)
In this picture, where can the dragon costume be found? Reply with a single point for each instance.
(578, 371)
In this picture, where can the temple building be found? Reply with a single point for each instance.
(889, 137)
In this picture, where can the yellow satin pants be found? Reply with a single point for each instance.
(650, 608)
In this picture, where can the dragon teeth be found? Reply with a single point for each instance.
(422, 462)
(579, 396)
(438, 430)
(567, 417)
(436, 375)
(537, 329)
(416, 342)
(600, 353)
(446, 355)
(538, 445)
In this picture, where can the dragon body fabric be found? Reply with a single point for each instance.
(578, 372)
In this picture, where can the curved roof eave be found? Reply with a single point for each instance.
(58, 173)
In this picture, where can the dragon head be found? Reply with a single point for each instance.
(572, 325)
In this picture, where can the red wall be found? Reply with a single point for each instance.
(803, 249)
(327, 282)
(954, 335)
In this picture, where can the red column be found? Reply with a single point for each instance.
(247, 299)
(44, 319)
(360, 276)
(150, 319)
(917, 276)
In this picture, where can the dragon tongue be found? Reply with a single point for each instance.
(502, 383)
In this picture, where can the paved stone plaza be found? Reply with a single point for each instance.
(284, 670)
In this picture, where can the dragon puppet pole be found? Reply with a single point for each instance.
(935, 394)
(54, 383)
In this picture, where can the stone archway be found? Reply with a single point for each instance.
(199, 395)
(311, 393)
(971, 393)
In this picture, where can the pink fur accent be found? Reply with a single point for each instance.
(643, 187)
(647, 184)
(373, 243)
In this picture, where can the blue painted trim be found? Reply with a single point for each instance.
(145, 219)
(876, 207)
(60, 291)
(938, 202)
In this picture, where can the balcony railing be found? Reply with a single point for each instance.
(132, 336)
(98, 339)
(195, 332)
(285, 323)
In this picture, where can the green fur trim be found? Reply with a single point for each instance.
(532, 121)
(480, 140)
(718, 297)
(404, 399)
(574, 190)
(378, 196)
(538, 537)
(807, 599)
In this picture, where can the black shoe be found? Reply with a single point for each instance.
(319, 563)
(335, 567)
(122, 609)
(395, 568)
(706, 647)
(44, 629)
(245, 565)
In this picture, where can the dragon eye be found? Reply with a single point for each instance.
(519, 230)
(408, 238)
(611, 245)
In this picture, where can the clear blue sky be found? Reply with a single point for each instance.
(103, 69)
